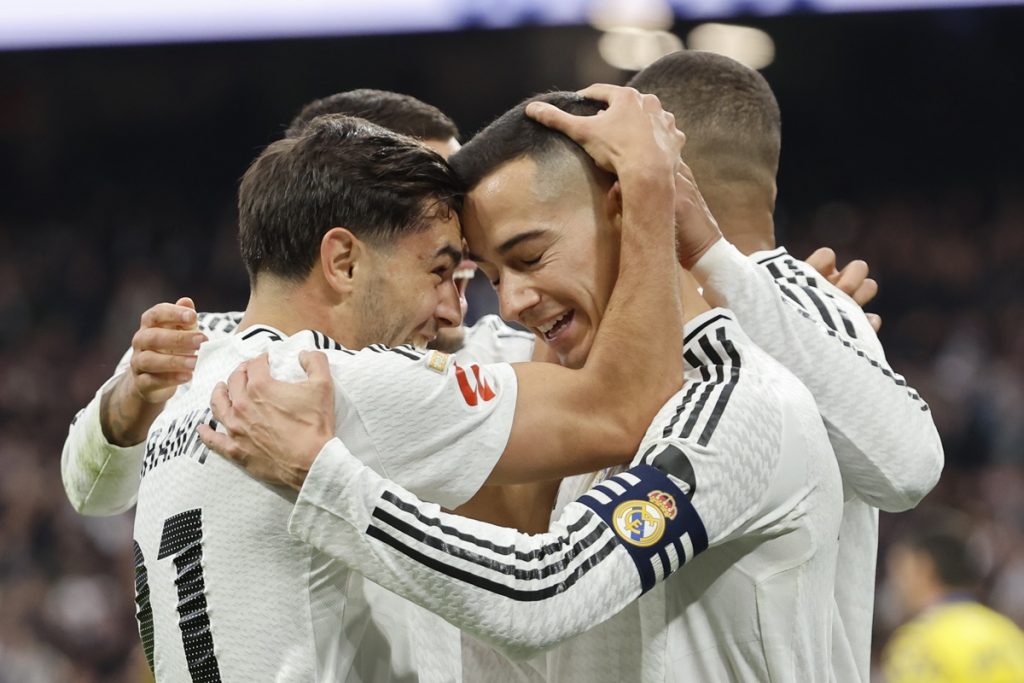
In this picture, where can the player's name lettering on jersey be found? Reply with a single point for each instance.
(179, 438)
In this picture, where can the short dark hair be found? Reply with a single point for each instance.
(943, 536)
(341, 172)
(727, 110)
(401, 113)
(514, 135)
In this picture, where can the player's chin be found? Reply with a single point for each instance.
(448, 339)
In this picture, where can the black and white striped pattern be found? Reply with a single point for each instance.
(708, 350)
(451, 547)
(813, 303)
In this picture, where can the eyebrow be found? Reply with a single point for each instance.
(451, 252)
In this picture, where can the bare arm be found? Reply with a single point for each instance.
(568, 422)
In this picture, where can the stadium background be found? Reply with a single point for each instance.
(902, 146)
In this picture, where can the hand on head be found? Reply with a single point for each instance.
(633, 134)
(272, 429)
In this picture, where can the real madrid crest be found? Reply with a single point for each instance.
(642, 522)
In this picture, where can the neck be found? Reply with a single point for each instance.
(292, 307)
(748, 230)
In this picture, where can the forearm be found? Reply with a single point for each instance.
(883, 433)
(636, 360)
(99, 478)
(526, 507)
(521, 593)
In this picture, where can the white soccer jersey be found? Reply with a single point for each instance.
(490, 340)
(734, 485)
(224, 592)
(883, 434)
(99, 477)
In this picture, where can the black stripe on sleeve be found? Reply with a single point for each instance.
(493, 586)
(730, 385)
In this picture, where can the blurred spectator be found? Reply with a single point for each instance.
(951, 637)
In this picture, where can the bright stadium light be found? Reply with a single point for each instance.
(653, 15)
(750, 46)
(631, 49)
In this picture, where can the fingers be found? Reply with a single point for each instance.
(316, 365)
(866, 292)
(604, 92)
(258, 369)
(186, 302)
(163, 340)
(553, 117)
(875, 320)
(219, 443)
(237, 382)
(220, 404)
(169, 315)
(152, 363)
(852, 276)
(823, 260)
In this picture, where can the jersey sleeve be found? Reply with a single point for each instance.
(520, 593)
(883, 434)
(420, 419)
(99, 477)
(103, 479)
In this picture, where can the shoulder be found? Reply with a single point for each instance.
(215, 324)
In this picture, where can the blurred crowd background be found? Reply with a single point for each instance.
(901, 146)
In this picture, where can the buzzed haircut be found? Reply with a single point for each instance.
(341, 172)
(727, 110)
(401, 113)
(514, 135)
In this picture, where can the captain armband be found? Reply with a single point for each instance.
(652, 519)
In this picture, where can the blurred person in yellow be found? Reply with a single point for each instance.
(952, 638)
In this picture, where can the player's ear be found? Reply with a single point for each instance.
(613, 204)
(340, 255)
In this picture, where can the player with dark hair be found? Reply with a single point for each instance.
(748, 500)
(440, 428)
(883, 434)
(951, 638)
(100, 462)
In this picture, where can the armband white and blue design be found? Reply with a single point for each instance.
(652, 519)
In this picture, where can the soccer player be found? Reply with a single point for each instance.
(952, 638)
(337, 226)
(735, 484)
(103, 452)
(102, 457)
(882, 432)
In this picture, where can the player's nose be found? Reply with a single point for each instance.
(515, 296)
(449, 311)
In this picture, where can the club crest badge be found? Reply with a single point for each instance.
(642, 522)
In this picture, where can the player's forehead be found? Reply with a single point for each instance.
(440, 239)
(505, 205)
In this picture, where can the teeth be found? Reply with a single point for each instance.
(465, 274)
(547, 327)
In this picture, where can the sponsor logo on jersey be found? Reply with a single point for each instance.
(438, 361)
(473, 388)
(639, 522)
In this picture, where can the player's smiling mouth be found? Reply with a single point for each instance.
(555, 326)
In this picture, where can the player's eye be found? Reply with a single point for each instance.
(532, 261)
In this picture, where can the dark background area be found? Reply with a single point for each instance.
(901, 145)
